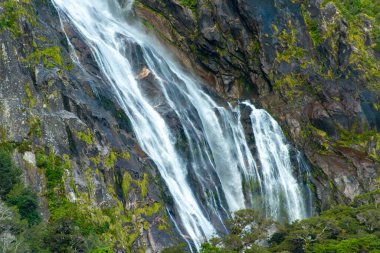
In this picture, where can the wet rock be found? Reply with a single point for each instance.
(55, 107)
(239, 43)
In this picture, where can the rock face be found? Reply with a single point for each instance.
(63, 118)
(314, 66)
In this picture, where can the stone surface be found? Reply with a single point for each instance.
(317, 90)
(51, 105)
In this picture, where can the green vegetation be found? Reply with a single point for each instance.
(94, 227)
(12, 12)
(313, 28)
(18, 204)
(191, 4)
(9, 173)
(30, 99)
(367, 141)
(51, 57)
(353, 228)
(290, 85)
(111, 159)
(35, 127)
(21, 226)
(86, 136)
(358, 13)
(288, 42)
(26, 202)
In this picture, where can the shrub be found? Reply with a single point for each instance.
(64, 236)
(9, 173)
(176, 249)
(27, 203)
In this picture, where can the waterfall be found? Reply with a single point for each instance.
(198, 145)
(278, 183)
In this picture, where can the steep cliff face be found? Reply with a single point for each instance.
(314, 65)
(73, 142)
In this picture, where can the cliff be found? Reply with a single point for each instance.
(74, 143)
(313, 64)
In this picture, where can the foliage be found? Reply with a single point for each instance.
(12, 12)
(176, 249)
(353, 228)
(64, 236)
(86, 136)
(27, 203)
(191, 4)
(51, 57)
(359, 13)
(9, 173)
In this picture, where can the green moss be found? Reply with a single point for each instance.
(143, 186)
(51, 57)
(358, 14)
(367, 141)
(127, 179)
(111, 159)
(313, 28)
(35, 127)
(100, 227)
(53, 169)
(191, 4)
(255, 47)
(30, 99)
(3, 134)
(111, 224)
(96, 160)
(102, 250)
(126, 155)
(86, 136)
(12, 13)
(290, 85)
(149, 210)
(289, 45)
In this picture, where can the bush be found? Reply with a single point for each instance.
(64, 236)
(176, 249)
(354, 228)
(9, 173)
(27, 203)
(102, 250)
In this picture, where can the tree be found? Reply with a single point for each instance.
(9, 173)
(27, 203)
(9, 224)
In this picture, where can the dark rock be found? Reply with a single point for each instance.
(239, 42)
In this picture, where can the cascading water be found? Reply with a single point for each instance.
(278, 183)
(198, 146)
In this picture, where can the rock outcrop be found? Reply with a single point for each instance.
(313, 65)
(63, 120)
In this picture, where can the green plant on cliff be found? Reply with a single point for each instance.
(86, 136)
(26, 202)
(191, 4)
(358, 14)
(9, 173)
(12, 12)
(354, 228)
(51, 57)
